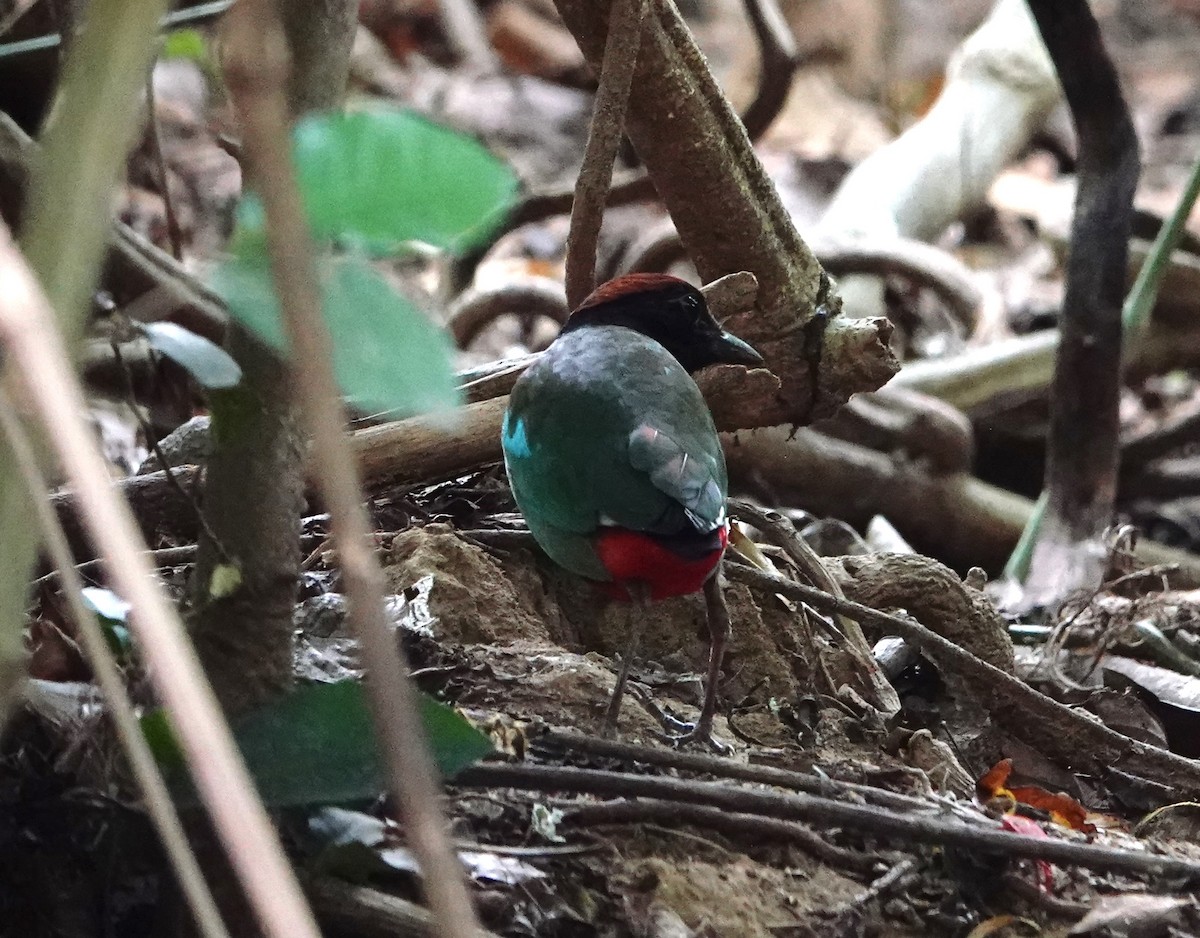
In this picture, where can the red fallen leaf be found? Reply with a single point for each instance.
(1031, 828)
(993, 782)
(1062, 808)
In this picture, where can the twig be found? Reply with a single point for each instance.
(155, 447)
(1024, 710)
(159, 270)
(174, 233)
(256, 75)
(37, 351)
(604, 137)
(878, 887)
(778, 61)
(1047, 902)
(727, 768)
(1082, 449)
(141, 759)
(465, 31)
(783, 534)
(732, 824)
(164, 557)
(878, 822)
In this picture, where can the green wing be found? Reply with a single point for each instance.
(635, 447)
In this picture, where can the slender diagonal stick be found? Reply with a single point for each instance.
(37, 357)
(141, 760)
(256, 70)
(608, 120)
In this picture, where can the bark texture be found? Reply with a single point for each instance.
(729, 216)
(255, 480)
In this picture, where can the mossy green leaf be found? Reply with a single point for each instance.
(185, 44)
(317, 745)
(387, 355)
(374, 179)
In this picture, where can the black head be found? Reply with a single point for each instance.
(668, 310)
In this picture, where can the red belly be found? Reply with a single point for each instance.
(631, 555)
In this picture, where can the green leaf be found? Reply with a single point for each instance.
(205, 361)
(185, 44)
(387, 355)
(317, 745)
(377, 178)
(112, 612)
(156, 727)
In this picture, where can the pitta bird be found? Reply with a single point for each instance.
(614, 459)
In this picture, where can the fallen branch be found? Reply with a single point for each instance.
(727, 768)
(957, 518)
(1055, 729)
(735, 825)
(345, 908)
(872, 820)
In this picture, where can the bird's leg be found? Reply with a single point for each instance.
(639, 594)
(718, 630)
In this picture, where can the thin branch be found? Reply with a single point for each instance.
(163, 557)
(1082, 447)
(727, 768)
(174, 233)
(141, 759)
(778, 60)
(36, 349)
(466, 34)
(156, 448)
(879, 822)
(1007, 698)
(736, 825)
(604, 137)
(781, 532)
(256, 74)
(1135, 315)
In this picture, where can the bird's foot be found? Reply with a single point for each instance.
(698, 733)
(678, 732)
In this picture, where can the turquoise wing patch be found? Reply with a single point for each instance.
(513, 438)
